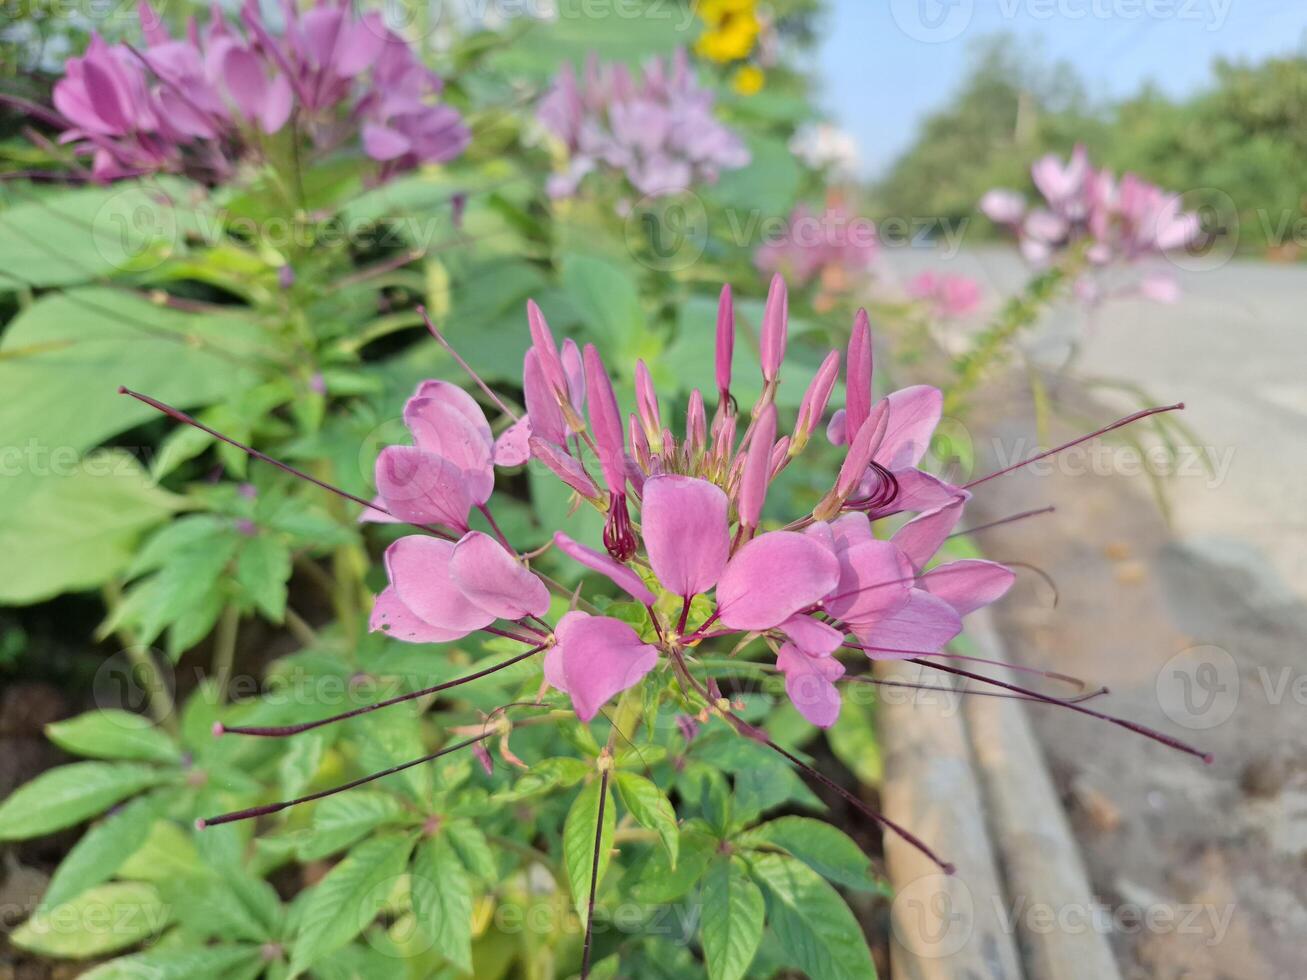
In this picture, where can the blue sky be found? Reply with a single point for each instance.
(885, 64)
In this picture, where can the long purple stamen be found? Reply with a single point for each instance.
(1052, 675)
(970, 691)
(1138, 729)
(263, 811)
(181, 416)
(281, 731)
(1004, 520)
(467, 368)
(1075, 442)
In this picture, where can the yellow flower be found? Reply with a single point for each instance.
(732, 32)
(748, 80)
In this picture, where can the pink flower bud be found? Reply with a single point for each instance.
(775, 324)
(605, 420)
(725, 341)
(858, 396)
(542, 340)
(813, 406)
(646, 406)
(696, 424)
(757, 468)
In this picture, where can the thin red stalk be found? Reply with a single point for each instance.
(1075, 442)
(1138, 729)
(1050, 674)
(280, 731)
(181, 416)
(1004, 520)
(864, 679)
(422, 311)
(594, 878)
(263, 811)
(757, 734)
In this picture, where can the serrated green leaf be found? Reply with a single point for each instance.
(731, 928)
(473, 849)
(262, 569)
(653, 879)
(810, 920)
(200, 963)
(98, 921)
(339, 821)
(69, 794)
(168, 852)
(442, 899)
(824, 848)
(100, 852)
(579, 831)
(114, 734)
(650, 806)
(347, 900)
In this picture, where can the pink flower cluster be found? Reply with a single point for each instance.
(196, 103)
(822, 583)
(1117, 222)
(656, 128)
(834, 249)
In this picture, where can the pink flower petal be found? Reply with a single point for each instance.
(277, 105)
(374, 514)
(875, 579)
(923, 624)
(450, 394)
(812, 636)
(422, 488)
(513, 447)
(620, 575)
(392, 617)
(913, 414)
(921, 537)
(773, 577)
(495, 580)
(858, 383)
(919, 492)
(600, 657)
(969, 584)
(565, 467)
(384, 143)
(809, 682)
(837, 429)
(442, 430)
(686, 532)
(421, 571)
(541, 403)
(243, 73)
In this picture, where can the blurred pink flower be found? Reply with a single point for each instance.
(834, 249)
(948, 296)
(1117, 223)
(657, 128)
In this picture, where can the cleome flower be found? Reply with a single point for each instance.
(684, 539)
(1116, 222)
(199, 104)
(657, 128)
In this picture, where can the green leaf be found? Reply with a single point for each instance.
(607, 299)
(473, 848)
(69, 794)
(262, 569)
(339, 821)
(190, 579)
(853, 740)
(811, 921)
(824, 848)
(579, 830)
(303, 757)
(346, 901)
(167, 853)
(768, 185)
(78, 235)
(71, 531)
(442, 899)
(63, 398)
(98, 921)
(732, 921)
(653, 879)
(113, 734)
(100, 852)
(650, 806)
(201, 963)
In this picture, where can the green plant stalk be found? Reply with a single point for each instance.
(224, 650)
(1018, 314)
(158, 699)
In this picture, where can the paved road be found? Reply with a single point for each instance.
(1200, 628)
(1234, 349)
